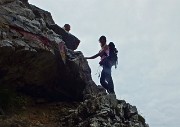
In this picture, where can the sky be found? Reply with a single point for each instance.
(146, 34)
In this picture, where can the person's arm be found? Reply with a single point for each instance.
(98, 54)
(93, 57)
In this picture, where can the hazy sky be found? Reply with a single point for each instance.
(147, 35)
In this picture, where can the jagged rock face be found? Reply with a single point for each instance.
(39, 13)
(30, 59)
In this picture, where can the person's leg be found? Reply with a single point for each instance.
(110, 83)
(103, 80)
(109, 80)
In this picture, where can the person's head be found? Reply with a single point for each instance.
(102, 40)
(67, 27)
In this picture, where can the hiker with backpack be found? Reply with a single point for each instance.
(108, 54)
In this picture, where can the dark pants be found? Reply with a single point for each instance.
(106, 79)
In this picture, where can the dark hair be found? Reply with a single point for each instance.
(111, 45)
(102, 38)
(66, 25)
(113, 54)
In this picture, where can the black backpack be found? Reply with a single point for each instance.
(113, 59)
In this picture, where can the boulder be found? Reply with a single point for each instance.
(70, 40)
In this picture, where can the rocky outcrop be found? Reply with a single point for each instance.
(37, 60)
(30, 58)
(104, 111)
(70, 40)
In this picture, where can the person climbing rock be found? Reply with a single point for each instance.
(72, 42)
(106, 63)
(67, 27)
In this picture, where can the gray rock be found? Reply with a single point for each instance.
(6, 1)
(45, 15)
(18, 8)
(20, 44)
(6, 43)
